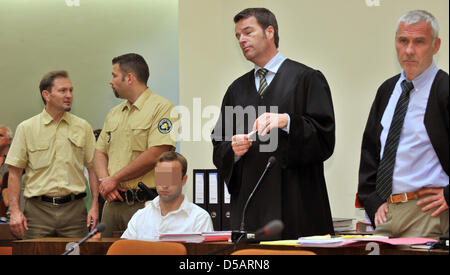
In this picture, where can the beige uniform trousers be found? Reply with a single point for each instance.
(66, 220)
(408, 220)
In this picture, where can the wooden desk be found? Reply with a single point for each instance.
(57, 246)
(5, 235)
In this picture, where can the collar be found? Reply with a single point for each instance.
(421, 79)
(274, 64)
(183, 206)
(46, 118)
(139, 103)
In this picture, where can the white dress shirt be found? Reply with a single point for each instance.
(148, 223)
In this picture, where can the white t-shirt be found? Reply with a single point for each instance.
(148, 223)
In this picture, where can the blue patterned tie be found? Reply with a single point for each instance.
(387, 163)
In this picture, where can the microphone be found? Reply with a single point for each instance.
(237, 235)
(271, 229)
(99, 228)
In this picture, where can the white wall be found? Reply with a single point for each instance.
(39, 36)
(349, 41)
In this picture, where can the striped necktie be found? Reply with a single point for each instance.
(387, 163)
(262, 80)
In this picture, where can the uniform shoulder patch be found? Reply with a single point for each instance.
(165, 125)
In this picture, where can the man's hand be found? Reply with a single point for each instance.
(240, 144)
(92, 217)
(107, 185)
(17, 224)
(435, 199)
(380, 215)
(109, 189)
(267, 121)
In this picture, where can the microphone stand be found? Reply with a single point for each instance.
(237, 235)
(98, 229)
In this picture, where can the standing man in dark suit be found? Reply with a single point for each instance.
(290, 107)
(403, 176)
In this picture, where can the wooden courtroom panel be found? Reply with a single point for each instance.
(56, 246)
(5, 233)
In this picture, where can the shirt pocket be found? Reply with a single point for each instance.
(139, 136)
(39, 154)
(77, 142)
(111, 133)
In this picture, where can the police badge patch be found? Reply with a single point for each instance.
(164, 126)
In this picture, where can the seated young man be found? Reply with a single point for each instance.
(170, 212)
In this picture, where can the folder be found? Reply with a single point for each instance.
(214, 201)
(226, 208)
(200, 189)
(211, 193)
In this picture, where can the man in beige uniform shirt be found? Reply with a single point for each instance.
(135, 134)
(53, 147)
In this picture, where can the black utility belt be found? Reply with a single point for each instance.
(61, 200)
(131, 196)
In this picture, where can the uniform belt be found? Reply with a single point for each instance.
(131, 196)
(63, 199)
(403, 197)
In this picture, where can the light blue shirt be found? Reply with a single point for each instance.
(272, 68)
(417, 164)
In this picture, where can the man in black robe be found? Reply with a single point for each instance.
(291, 109)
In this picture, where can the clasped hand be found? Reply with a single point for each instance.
(109, 189)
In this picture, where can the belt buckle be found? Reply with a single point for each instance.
(405, 198)
(54, 200)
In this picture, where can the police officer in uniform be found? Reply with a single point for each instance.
(134, 135)
(53, 148)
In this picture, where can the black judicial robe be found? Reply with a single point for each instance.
(294, 189)
(436, 122)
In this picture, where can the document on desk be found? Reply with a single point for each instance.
(349, 240)
(321, 241)
(281, 242)
(195, 237)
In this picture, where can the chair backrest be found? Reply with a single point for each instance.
(5, 250)
(272, 252)
(136, 247)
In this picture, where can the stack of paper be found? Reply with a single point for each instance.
(321, 241)
(347, 240)
(342, 224)
(196, 237)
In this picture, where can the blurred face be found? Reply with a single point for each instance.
(168, 180)
(4, 140)
(415, 48)
(118, 81)
(61, 96)
(253, 40)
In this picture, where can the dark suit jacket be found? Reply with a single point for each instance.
(436, 123)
